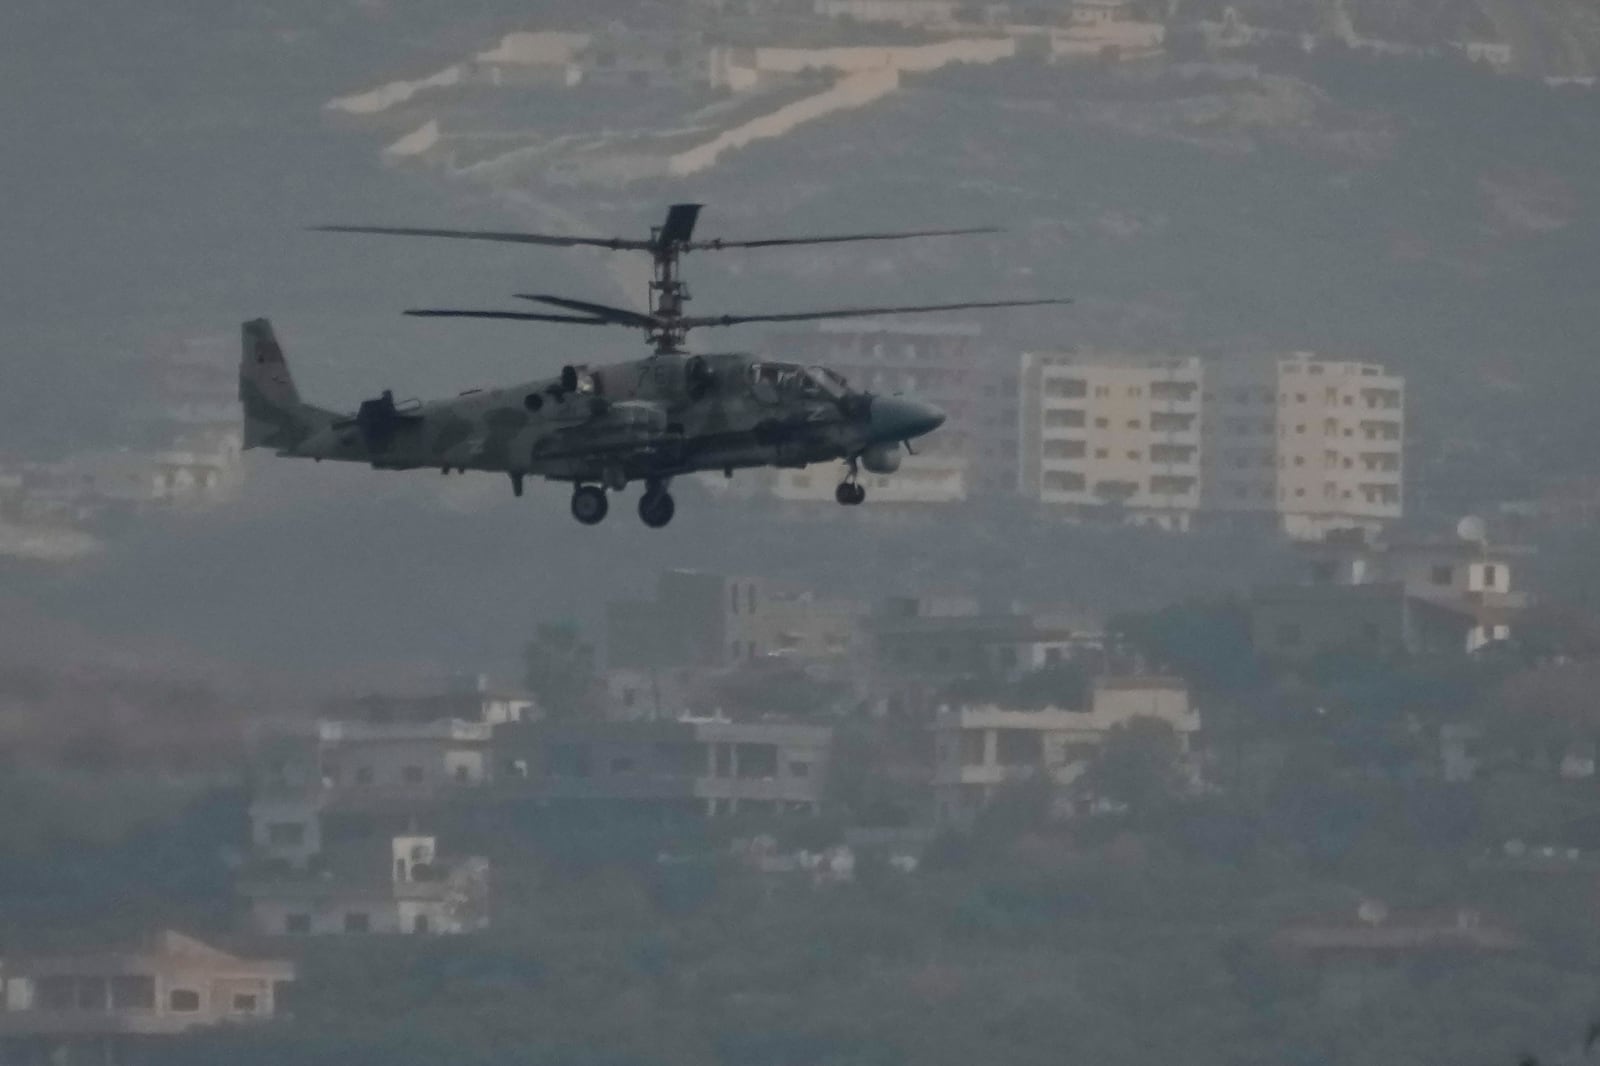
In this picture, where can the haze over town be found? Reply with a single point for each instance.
(1217, 679)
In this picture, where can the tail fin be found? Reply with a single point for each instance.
(274, 417)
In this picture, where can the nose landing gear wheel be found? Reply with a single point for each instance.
(849, 494)
(589, 504)
(656, 508)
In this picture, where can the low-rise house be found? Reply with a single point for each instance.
(118, 1005)
(401, 885)
(1372, 932)
(1463, 576)
(933, 640)
(1362, 956)
(711, 766)
(713, 621)
(981, 750)
(378, 755)
(1301, 622)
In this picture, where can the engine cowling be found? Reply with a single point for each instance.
(881, 458)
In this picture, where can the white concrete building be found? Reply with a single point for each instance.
(1113, 438)
(1314, 445)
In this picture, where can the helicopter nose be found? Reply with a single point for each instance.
(899, 418)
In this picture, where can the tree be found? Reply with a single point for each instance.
(1138, 767)
(1206, 642)
(560, 671)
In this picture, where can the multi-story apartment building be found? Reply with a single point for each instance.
(950, 365)
(1115, 438)
(1312, 445)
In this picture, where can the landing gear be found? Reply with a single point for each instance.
(850, 493)
(655, 506)
(589, 504)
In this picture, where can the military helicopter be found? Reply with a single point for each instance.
(602, 428)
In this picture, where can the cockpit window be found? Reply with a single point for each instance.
(826, 382)
(771, 380)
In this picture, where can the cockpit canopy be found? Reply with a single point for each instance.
(791, 380)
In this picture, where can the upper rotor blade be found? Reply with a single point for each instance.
(616, 243)
(860, 312)
(515, 316)
(622, 316)
(772, 242)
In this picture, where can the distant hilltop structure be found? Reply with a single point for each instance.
(777, 82)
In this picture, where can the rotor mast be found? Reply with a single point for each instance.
(668, 291)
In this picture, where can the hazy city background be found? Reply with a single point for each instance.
(1218, 681)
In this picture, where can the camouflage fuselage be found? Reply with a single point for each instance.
(646, 418)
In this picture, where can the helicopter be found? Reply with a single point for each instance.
(647, 420)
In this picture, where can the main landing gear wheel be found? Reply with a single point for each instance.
(656, 508)
(589, 504)
(849, 494)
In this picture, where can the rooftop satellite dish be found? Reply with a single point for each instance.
(1472, 528)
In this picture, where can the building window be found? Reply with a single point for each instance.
(183, 1000)
(1443, 575)
(92, 992)
(286, 834)
(297, 924)
(133, 993)
(1491, 575)
(357, 922)
(422, 925)
(799, 769)
(1064, 449)
(412, 775)
(750, 599)
(244, 1003)
(463, 775)
(1063, 481)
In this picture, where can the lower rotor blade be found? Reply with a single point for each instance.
(860, 312)
(622, 316)
(513, 316)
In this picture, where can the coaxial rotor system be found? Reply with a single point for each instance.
(666, 324)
